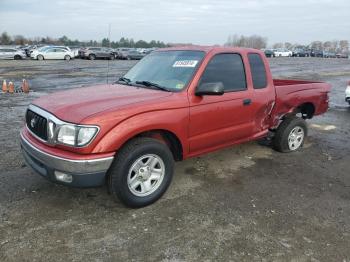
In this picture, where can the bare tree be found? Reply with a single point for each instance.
(344, 46)
(19, 39)
(253, 41)
(288, 45)
(5, 39)
(277, 45)
(317, 45)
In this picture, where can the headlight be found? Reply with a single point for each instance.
(66, 135)
(85, 134)
(74, 135)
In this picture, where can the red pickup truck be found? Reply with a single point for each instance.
(174, 104)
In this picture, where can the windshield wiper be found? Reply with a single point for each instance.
(151, 84)
(124, 79)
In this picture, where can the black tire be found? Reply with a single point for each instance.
(118, 173)
(17, 57)
(92, 57)
(67, 57)
(280, 140)
(111, 57)
(40, 57)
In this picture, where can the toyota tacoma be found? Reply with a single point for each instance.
(174, 104)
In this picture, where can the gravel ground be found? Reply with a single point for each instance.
(246, 203)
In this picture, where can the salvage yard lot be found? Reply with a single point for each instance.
(245, 203)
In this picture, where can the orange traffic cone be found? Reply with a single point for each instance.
(25, 86)
(4, 86)
(11, 88)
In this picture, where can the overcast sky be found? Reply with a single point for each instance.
(179, 21)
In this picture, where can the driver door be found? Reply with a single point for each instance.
(216, 121)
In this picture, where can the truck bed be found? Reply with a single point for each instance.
(293, 94)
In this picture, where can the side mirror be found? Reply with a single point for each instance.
(210, 89)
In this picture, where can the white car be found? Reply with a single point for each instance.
(283, 52)
(347, 93)
(52, 52)
(11, 53)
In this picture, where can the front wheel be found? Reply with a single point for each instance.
(290, 135)
(67, 58)
(141, 172)
(40, 57)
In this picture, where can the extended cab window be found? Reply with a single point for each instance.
(257, 68)
(228, 69)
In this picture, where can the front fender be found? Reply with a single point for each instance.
(173, 120)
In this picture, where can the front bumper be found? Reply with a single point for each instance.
(84, 173)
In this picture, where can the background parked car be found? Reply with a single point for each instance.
(134, 55)
(52, 53)
(75, 50)
(93, 53)
(299, 52)
(347, 93)
(327, 54)
(12, 53)
(269, 53)
(122, 53)
(283, 52)
(316, 53)
(341, 55)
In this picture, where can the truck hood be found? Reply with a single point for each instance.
(77, 104)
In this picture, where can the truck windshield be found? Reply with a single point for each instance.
(169, 69)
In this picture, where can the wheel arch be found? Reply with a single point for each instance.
(167, 137)
(306, 111)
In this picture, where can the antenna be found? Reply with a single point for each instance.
(109, 43)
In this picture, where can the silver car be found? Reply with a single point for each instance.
(11, 53)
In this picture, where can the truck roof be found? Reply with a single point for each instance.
(208, 49)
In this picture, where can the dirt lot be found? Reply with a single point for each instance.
(247, 203)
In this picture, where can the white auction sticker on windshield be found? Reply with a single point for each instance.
(185, 63)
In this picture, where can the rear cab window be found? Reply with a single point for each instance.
(227, 68)
(258, 71)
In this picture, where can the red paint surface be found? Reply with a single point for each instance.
(201, 124)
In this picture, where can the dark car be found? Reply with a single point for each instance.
(316, 53)
(93, 53)
(269, 53)
(299, 52)
(134, 55)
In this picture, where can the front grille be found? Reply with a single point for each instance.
(37, 124)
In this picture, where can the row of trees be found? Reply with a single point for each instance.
(259, 42)
(254, 41)
(6, 39)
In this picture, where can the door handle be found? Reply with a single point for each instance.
(247, 102)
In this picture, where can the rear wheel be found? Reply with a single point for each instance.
(40, 57)
(290, 135)
(141, 172)
(111, 57)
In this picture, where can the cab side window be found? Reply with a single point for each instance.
(227, 69)
(257, 68)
